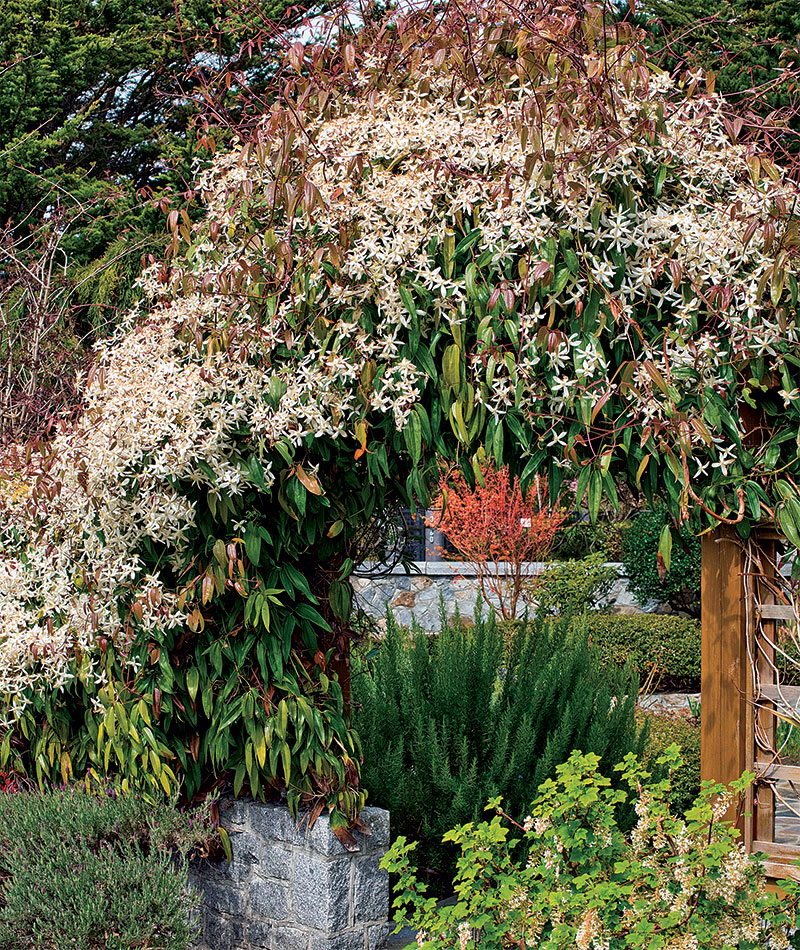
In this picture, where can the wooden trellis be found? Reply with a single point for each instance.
(750, 690)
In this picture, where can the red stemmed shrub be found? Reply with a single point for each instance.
(498, 529)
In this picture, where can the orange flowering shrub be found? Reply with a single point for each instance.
(499, 528)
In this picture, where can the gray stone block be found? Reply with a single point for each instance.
(219, 933)
(377, 819)
(260, 934)
(371, 891)
(269, 901)
(350, 940)
(275, 860)
(273, 822)
(245, 847)
(321, 840)
(378, 935)
(323, 891)
(219, 894)
(289, 938)
(233, 813)
(293, 888)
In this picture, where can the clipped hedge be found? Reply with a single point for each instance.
(672, 642)
(663, 733)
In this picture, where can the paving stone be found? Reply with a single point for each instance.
(671, 705)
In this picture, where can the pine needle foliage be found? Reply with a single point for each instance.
(450, 721)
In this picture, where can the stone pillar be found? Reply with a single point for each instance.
(293, 889)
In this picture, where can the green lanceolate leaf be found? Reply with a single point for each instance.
(665, 546)
(451, 367)
(595, 494)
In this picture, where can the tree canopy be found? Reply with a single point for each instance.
(484, 232)
(102, 119)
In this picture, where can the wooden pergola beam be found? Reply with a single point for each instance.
(724, 665)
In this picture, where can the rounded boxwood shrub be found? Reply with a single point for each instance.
(680, 585)
(662, 733)
(673, 643)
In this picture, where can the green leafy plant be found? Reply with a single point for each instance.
(672, 882)
(648, 575)
(448, 721)
(310, 353)
(685, 778)
(671, 644)
(576, 585)
(91, 868)
(580, 539)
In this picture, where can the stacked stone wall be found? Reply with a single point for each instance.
(293, 888)
(418, 596)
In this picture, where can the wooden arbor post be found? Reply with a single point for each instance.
(743, 693)
(724, 663)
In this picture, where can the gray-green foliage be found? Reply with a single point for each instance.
(581, 584)
(450, 721)
(93, 872)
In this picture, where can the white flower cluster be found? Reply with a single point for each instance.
(434, 166)
(173, 393)
(69, 566)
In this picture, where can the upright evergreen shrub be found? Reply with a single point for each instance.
(450, 721)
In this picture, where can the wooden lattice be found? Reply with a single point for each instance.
(751, 688)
